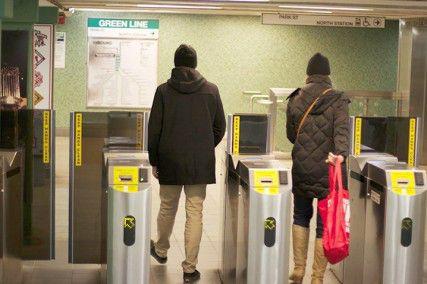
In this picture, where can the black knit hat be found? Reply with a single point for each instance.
(185, 56)
(318, 65)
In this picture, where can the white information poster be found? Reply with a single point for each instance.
(122, 62)
(42, 66)
(60, 44)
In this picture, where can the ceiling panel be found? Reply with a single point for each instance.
(388, 8)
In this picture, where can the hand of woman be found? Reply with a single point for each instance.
(334, 159)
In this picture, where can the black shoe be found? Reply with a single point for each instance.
(161, 260)
(191, 277)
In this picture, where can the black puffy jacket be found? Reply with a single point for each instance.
(186, 123)
(326, 129)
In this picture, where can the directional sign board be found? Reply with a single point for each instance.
(324, 21)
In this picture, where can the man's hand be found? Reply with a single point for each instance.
(155, 172)
(334, 159)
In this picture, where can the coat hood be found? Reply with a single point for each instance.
(186, 80)
(316, 85)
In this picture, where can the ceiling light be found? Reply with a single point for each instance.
(120, 5)
(241, 0)
(106, 10)
(178, 6)
(316, 11)
(309, 11)
(324, 8)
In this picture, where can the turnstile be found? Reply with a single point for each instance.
(395, 224)
(11, 200)
(112, 151)
(264, 219)
(256, 213)
(129, 219)
(388, 201)
(357, 182)
(90, 135)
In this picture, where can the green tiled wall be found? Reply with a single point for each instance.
(238, 53)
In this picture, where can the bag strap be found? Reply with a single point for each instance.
(303, 119)
(338, 172)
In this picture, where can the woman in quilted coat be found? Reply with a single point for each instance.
(318, 126)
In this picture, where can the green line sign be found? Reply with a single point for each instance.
(122, 23)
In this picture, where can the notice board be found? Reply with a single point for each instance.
(122, 62)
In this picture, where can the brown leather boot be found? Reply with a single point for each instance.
(300, 236)
(319, 264)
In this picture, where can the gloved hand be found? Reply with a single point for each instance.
(334, 159)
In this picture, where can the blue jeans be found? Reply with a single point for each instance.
(303, 211)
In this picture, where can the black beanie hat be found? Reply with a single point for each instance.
(185, 56)
(318, 65)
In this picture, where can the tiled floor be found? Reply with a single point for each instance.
(60, 272)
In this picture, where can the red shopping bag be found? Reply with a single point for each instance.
(335, 213)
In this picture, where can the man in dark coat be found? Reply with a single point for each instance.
(318, 126)
(186, 123)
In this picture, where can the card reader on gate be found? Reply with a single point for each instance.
(265, 176)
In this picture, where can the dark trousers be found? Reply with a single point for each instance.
(303, 211)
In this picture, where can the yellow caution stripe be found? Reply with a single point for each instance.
(411, 144)
(78, 123)
(139, 130)
(357, 136)
(236, 134)
(46, 137)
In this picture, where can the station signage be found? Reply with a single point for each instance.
(122, 63)
(123, 23)
(123, 28)
(323, 21)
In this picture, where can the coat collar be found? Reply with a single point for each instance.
(319, 79)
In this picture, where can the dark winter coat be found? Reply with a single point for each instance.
(325, 130)
(186, 124)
